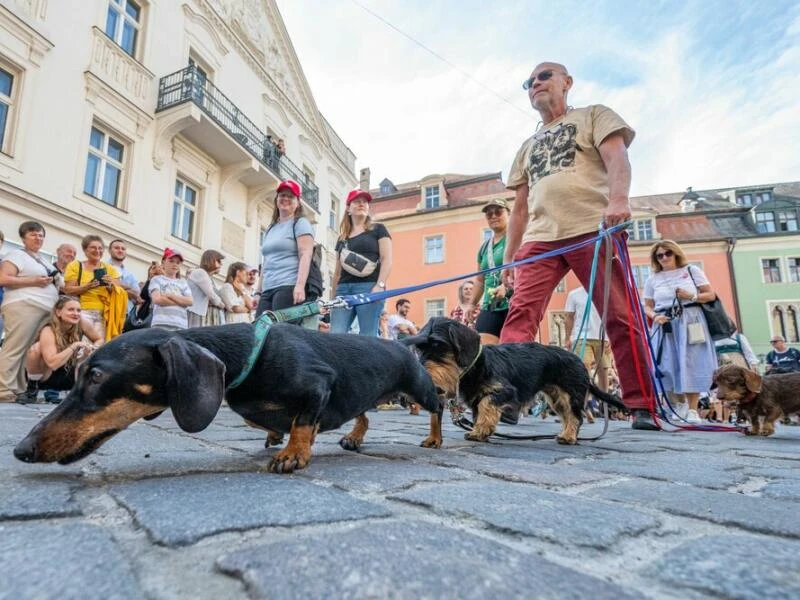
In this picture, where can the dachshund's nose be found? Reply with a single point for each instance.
(26, 450)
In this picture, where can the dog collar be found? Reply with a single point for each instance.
(749, 397)
(472, 364)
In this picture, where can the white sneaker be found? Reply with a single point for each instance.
(681, 409)
(693, 418)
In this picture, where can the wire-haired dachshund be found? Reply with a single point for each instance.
(758, 397)
(490, 378)
(302, 382)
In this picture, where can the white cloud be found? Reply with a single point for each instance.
(405, 114)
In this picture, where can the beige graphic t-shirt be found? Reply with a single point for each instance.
(565, 173)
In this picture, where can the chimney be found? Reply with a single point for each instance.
(689, 200)
(364, 179)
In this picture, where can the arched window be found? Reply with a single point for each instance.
(778, 325)
(791, 324)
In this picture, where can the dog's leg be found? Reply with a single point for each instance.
(434, 439)
(354, 439)
(755, 422)
(297, 453)
(570, 421)
(274, 438)
(768, 427)
(488, 415)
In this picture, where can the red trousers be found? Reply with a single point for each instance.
(534, 284)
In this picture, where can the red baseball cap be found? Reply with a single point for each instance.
(169, 253)
(291, 185)
(353, 194)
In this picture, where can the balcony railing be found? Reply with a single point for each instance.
(191, 85)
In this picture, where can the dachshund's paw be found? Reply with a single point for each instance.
(431, 442)
(472, 436)
(751, 432)
(766, 432)
(288, 462)
(566, 440)
(351, 443)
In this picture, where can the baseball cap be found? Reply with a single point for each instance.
(495, 202)
(251, 268)
(777, 338)
(356, 193)
(291, 185)
(170, 252)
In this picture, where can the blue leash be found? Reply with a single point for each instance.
(351, 300)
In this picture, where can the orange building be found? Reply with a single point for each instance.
(437, 227)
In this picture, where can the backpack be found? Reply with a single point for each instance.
(314, 284)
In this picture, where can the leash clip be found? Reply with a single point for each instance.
(337, 302)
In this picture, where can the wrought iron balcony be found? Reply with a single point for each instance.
(191, 85)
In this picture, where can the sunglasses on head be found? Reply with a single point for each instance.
(543, 76)
(665, 253)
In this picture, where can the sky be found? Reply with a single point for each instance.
(711, 87)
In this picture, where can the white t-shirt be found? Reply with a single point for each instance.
(27, 266)
(174, 316)
(660, 287)
(394, 321)
(231, 299)
(576, 303)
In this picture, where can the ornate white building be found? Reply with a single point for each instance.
(157, 121)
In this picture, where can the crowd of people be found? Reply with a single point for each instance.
(570, 176)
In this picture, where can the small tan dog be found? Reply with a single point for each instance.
(768, 397)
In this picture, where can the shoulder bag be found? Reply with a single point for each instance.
(314, 285)
(720, 325)
(356, 264)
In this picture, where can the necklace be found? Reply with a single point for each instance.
(540, 123)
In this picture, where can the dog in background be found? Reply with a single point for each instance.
(490, 378)
(758, 397)
(302, 382)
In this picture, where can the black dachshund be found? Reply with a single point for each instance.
(491, 378)
(302, 382)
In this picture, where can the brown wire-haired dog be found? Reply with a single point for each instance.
(768, 397)
(489, 378)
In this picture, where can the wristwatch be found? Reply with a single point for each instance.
(382, 285)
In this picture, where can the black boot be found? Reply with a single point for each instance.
(29, 396)
(643, 420)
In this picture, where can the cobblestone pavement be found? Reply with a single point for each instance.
(159, 513)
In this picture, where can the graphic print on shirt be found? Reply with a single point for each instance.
(552, 151)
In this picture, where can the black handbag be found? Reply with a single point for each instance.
(138, 318)
(720, 325)
(314, 285)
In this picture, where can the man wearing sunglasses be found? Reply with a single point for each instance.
(570, 176)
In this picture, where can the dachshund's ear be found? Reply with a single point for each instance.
(465, 341)
(752, 381)
(195, 383)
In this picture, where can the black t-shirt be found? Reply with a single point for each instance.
(365, 244)
(786, 361)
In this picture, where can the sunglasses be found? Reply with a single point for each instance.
(492, 212)
(666, 253)
(543, 76)
(774, 341)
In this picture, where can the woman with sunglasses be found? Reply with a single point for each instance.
(685, 352)
(489, 289)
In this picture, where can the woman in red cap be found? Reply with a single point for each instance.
(286, 254)
(363, 264)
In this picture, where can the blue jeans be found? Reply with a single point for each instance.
(368, 315)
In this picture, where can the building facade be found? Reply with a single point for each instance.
(159, 122)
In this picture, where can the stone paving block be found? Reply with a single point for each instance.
(181, 510)
(531, 511)
(729, 566)
(517, 470)
(65, 561)
(141, 437)
(542, 451)
(785, 490)
(703, 470)
(370, 475)
(763, 515)
(407, 560)
(35, 497)
(127, 465)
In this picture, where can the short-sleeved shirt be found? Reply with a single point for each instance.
(27, 266)
(566, 176)
(280, 259)
(129, 281)
(576, 303)
(174, 316)
(90, 299)
(789, 360)
(495, 278)
(229, 296)
(660, 287)
(394, 321)
(367, 245)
